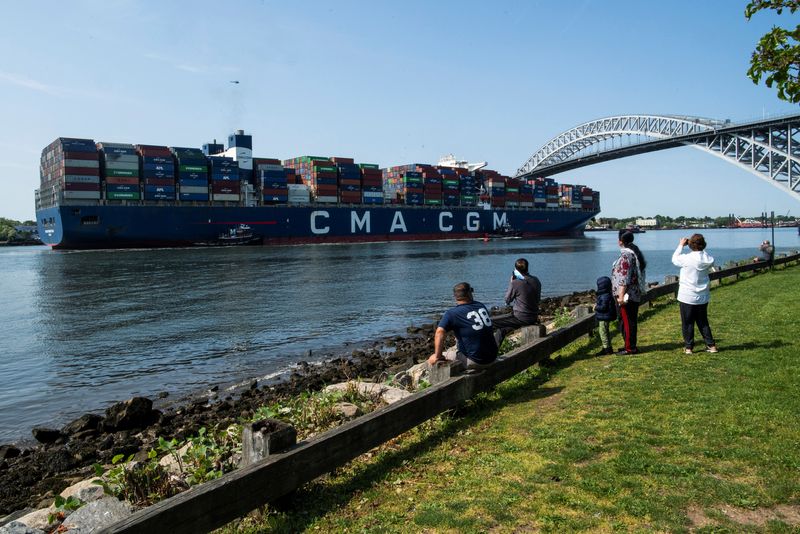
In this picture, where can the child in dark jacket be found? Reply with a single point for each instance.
(605, 311)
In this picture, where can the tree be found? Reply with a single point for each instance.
(777, 55)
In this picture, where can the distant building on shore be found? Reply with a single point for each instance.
(647, 223)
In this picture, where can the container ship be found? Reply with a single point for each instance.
(115, 195)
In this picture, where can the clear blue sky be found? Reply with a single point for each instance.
(390, 83)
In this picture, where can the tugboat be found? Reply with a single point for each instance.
(237, 236)
(503, 232)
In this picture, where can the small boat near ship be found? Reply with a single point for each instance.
(505, 231)
(237, 236)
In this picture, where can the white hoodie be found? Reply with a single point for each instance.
(695, 266)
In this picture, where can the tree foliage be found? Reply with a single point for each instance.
(777, 55)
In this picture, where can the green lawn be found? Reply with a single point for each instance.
(659, 441)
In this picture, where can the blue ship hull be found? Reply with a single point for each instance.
(119, 226)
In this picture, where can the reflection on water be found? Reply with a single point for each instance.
(86, 328)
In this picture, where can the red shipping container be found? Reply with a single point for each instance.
(266, 161)
(327, 190)
(127, 180)
(81, 170)
(77, 186)
(349, 182)
(325, 174)
(342, 160)
(154, 181)
(274, 192)
(90, 156)
(226, 188)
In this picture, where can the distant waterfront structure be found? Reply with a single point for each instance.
(647, 223)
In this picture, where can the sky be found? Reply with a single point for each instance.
(391, 83)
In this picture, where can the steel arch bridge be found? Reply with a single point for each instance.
(770, 149)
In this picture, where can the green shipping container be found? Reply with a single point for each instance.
(123, 196)
(193, 168)
(326, 169)
(124, 173)
(368, 166)
(450, 182)
(433, 202)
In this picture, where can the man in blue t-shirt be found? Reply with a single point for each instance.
(472, 326)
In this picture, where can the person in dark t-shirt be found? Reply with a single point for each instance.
(472, 326)
(525, 292)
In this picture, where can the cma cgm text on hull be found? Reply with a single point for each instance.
(115, 195)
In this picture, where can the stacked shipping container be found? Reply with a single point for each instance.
(192, 170)
(69, 169)
(158, 173)
(119, 170)
(371, 183)
(225, 179)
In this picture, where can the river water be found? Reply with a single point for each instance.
(80, 330)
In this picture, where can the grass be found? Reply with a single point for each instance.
(654, 442)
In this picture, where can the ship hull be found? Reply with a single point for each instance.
(121, 226)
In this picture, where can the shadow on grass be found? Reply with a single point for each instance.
(314, 500)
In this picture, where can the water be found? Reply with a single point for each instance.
(80, 330)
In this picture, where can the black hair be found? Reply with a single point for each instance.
(627, 239)
(521, 265)
(463, 291)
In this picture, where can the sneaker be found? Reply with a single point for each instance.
(687, 351)
(712, 349)
(623, 352)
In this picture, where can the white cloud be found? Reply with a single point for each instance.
(28, 83)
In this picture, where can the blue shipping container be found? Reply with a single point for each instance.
(193, 196)
(159, 189)
(159, 167)
(193, 183)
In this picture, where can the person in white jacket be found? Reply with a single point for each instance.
(693, 292)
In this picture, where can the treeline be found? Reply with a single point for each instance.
(8, 231)
(664, 221)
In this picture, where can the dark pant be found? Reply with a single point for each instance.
(692, 314)
(504, 324)
(629, 323)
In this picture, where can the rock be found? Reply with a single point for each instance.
(391, 395)
(45, 435)
(83, 423)
(163, 394)
(97, 515)
(8, 452)
(347, 409)
(402, 378)
(418, 373)
(15, 527)
(85, 490)
(364, 388)
(133, 413)
(38, 519)
(170, 462)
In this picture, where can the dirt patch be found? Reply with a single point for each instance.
(759, 517)
(698, 518)
(784, 513)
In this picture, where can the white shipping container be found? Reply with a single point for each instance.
(526, 204)
(83, 163)
(225, 197)
(269, 167)
(373, 194)
(328, 199)
(194, 189)
(122, 165)
(297, 187)
(81, 179)
(83, 195)
(299, 199)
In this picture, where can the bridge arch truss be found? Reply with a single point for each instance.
(769, 149)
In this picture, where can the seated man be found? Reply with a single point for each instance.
(524, 291)
(472, 326)
(766, 253)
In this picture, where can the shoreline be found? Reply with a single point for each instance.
(31, 474)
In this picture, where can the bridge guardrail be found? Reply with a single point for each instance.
(214, 504)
